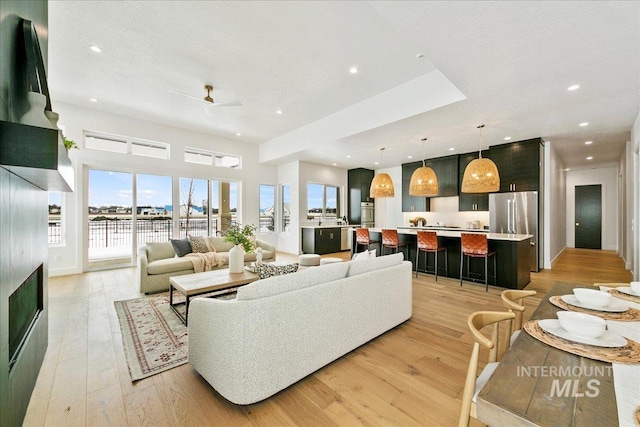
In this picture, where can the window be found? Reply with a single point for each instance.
(267, 208)
(154, 208)
(194, 202)
(210, 158)
(322, 201)
(286, 206)
(124, 145)
(55, 217)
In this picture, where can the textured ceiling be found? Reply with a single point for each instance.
(512, 61)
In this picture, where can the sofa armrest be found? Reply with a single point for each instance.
(143, 264)
(267, 247)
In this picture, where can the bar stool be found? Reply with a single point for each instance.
(428, 242)
(475, 245)
(390, 240)
(363, 238)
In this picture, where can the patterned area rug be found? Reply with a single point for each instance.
(153, 337)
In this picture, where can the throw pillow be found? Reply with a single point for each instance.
(209, 242)
(198, 244)
(181, 246)
(265, 270)
(360, 256)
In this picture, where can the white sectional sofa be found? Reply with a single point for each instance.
(281, 329)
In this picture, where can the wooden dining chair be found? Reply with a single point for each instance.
(512, 300)
(428, 243)
(475, 245)
(390, 240)
(363, 238)
(474, 382)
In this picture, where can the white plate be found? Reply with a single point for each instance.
(628, 291)
(613, 306)
(608, 339)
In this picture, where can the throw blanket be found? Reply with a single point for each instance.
(206, 261)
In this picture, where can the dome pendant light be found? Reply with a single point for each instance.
(481, 175)
(382, 185)
(424, 181)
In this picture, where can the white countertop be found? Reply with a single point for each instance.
(450, 233)
(445, 228)
(330, 226)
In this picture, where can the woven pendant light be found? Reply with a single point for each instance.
(382, 185)
(481, 175)
(424, 181)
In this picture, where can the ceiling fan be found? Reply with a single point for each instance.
(208, 100)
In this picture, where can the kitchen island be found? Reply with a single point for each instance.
(512, 252)
(326, 238)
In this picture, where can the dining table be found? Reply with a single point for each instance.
(536, 384)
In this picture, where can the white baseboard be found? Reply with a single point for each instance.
(64, 271)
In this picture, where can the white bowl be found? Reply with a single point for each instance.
(592, 297)
(635, 287)
(584, 325)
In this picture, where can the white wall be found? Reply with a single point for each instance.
(633, 200)
(289, 174)
(608, 178)
(68, 259)
(388, 210)
(555, 206)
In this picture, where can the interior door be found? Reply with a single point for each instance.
(588, 224)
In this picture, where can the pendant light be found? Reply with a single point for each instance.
(382, 185)
(424, 181)
(481, 175)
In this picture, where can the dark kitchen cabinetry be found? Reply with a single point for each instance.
(446, 169)
(518, 164)
(321, 240)
(358, 182)
(412, 203)
(470, 201)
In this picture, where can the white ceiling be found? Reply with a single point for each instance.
(511, 61)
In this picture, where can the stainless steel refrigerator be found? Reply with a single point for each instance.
(516, 213)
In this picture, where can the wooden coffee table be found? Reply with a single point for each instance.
(191, 285)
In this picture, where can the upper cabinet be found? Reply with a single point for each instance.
(470, 201)
(358, 182)
(412, 203)
(518, 164)
(446, 169)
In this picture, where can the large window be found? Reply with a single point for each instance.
(154, 209)
(55, 217)
(322, 201)
(118, 144)
(211, 158)
(267, 208)
(286, 208)
(194, 204)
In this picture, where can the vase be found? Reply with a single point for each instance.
(258, 255)
(35, 116)
(236, 259)
(53, 119)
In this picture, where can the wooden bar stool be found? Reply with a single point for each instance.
(475, 245)
(390, 240)
(428, 242)
(364, 239)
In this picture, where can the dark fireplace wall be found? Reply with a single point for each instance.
(23, 221)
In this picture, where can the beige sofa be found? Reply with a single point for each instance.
(281, 329)
(158, 261)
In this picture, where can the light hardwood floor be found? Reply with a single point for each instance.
(411, 375)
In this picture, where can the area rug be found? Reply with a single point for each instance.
(153, 337)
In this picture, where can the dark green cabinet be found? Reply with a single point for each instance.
(412, 203)
(321, 240)
(358, 183)
(470, 201)
(518, 165)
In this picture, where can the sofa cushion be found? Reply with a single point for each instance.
(198, 244)
(265, 270)
(156, 251)
(220, 244)
(373, 264)
(181, 246)
(359, 256)
(169, 265)
(291, 282)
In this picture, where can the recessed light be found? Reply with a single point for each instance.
(95, 48)
(420, 56)
(507, 138)
(376, 163)
(573, 87)
(334, 164)
(590, 158)
(93, 100)
(566, 169)
(348, 156)
(583, 124)
(279, 112)
(238, 134)
(588, 142)
(452, 148)
(409, 157)
(353, 70)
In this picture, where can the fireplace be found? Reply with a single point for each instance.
(25, 306)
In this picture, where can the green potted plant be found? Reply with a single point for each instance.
(241, 235)
(69, 143)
